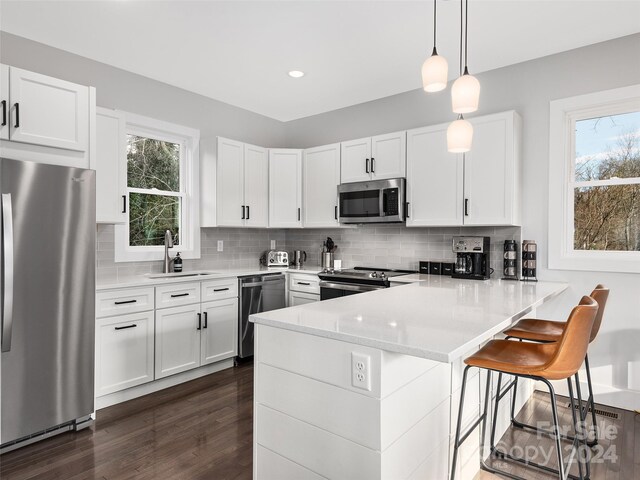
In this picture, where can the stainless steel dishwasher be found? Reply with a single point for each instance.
(258, 293)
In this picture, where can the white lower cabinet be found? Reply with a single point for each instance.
(299, 298)
(124, 352)
(219, 334)
(177, 339)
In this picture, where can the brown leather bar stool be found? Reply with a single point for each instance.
(546, 331)
(537, 361)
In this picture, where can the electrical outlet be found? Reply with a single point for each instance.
(361, 371)
(273, 244)
(220, 245)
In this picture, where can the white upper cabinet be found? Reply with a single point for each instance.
(492, 171)
(481, 187)
(285, 188)
(374, 158)
(242, 181)
(4, 102)
(230, 183)
(48, 111)
(47, 120)
(434, 179)
(356, 160)
(256, 186)
(111, 165)
(388, 156)
(321, 177)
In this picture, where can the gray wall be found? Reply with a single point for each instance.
(119, 89)
(528, 88)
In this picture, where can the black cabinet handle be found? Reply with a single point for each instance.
(206, 319)
(406, 207)
(248, 213)
(4, 112)
(124, 204)
(243, 215)
(176, 295)
(17, 125)
(335, 212)
(373, 165)
(124, 302)
(304, 283)
(298, 213)
(366, 165)
(128, 326)
(221, 289)
(466, 207)
(199, 322)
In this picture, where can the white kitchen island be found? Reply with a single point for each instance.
(367, 386)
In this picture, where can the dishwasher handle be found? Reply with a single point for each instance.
(266, 281)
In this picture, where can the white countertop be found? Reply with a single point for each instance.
(196, 276)
(439, 318)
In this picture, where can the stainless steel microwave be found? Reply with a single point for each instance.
(375, 201)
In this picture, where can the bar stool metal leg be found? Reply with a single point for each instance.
(582, 432)
(591, 404)
(575, 443)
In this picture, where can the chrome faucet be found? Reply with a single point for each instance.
(168, 243)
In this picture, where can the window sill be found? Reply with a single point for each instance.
(614, 262)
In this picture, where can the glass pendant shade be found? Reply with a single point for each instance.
(459, 136)
(465, 94)
(435, 72)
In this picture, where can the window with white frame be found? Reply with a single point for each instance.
(595, 180)
(162, 178)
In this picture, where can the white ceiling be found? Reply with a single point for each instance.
(239, 52)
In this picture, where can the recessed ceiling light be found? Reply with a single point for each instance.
(296, 74)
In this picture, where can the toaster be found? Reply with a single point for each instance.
(277, 258)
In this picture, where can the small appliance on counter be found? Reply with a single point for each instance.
(275, 258)
(472, 257)
(299, 257)
(529, 260)
(510, 262)
(327, 254)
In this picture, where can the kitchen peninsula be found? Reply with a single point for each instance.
(367, 386)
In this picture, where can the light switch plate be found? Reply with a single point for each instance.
(220, 245)
(273, 244)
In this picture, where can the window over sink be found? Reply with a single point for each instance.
(594, 182)
(162, 190)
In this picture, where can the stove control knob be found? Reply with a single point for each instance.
(374, 275)
(383, 275)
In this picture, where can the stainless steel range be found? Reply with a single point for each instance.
(358, 280)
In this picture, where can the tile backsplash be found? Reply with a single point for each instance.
(385, 246)
(396, 246)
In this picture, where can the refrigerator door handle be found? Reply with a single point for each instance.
(7, 281)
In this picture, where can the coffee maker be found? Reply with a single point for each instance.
(472, 257)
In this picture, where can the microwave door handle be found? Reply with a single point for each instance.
(7, 281)
(383, 203)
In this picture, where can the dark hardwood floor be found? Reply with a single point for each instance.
(202, 430)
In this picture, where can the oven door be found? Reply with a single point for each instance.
(329, 290)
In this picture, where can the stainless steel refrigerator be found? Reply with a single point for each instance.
(47, 286)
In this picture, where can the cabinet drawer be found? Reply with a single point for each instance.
(124, 352)
(304, 283)
(119, 302)
(177, 294)
(219, 289)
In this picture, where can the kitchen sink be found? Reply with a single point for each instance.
(181, 275)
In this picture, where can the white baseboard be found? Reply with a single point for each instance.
(603, 394)
(161, 384)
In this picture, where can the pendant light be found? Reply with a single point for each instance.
(460, 132)
(435, 68)
(465, 91)
(459, 136)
